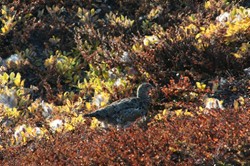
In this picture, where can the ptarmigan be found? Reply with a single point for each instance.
(127, 110)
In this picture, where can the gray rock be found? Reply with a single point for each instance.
(247, 71)
(127, 110)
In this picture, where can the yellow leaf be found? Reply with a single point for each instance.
(12, 112)
(122, 18)
(77, 120)
(88, 106)
(202, 28)
(117, 20)
(198, 36)
(165, 111)
(200, 108)
(68, 127)
(17, 80)
(4, 12)
(66, 109)
(79, 11)
(188, 113)
(172, 149)
(24, 139)
(137, 47)
(92, 12)
(241, 100)
(207, 5)
(31, 109)
(4, 30)
(237, 55)
(148, 40)
(12, 76)
(30, 131)
(201, 86)
(179, 112)
(49, 61)
(22, 83)
(4, 78)
(68, 103)
(158, 117)
(245, 47)
(86, 14)
(94, 123)
(234, 89)
(236, 105)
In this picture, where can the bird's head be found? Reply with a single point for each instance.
(143, 90)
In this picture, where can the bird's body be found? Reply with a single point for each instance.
(126, 110)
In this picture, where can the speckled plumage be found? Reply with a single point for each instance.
(126, 110)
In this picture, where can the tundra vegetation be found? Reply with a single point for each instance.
(60, 60)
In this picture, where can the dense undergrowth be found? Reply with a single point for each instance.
(63, 59)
